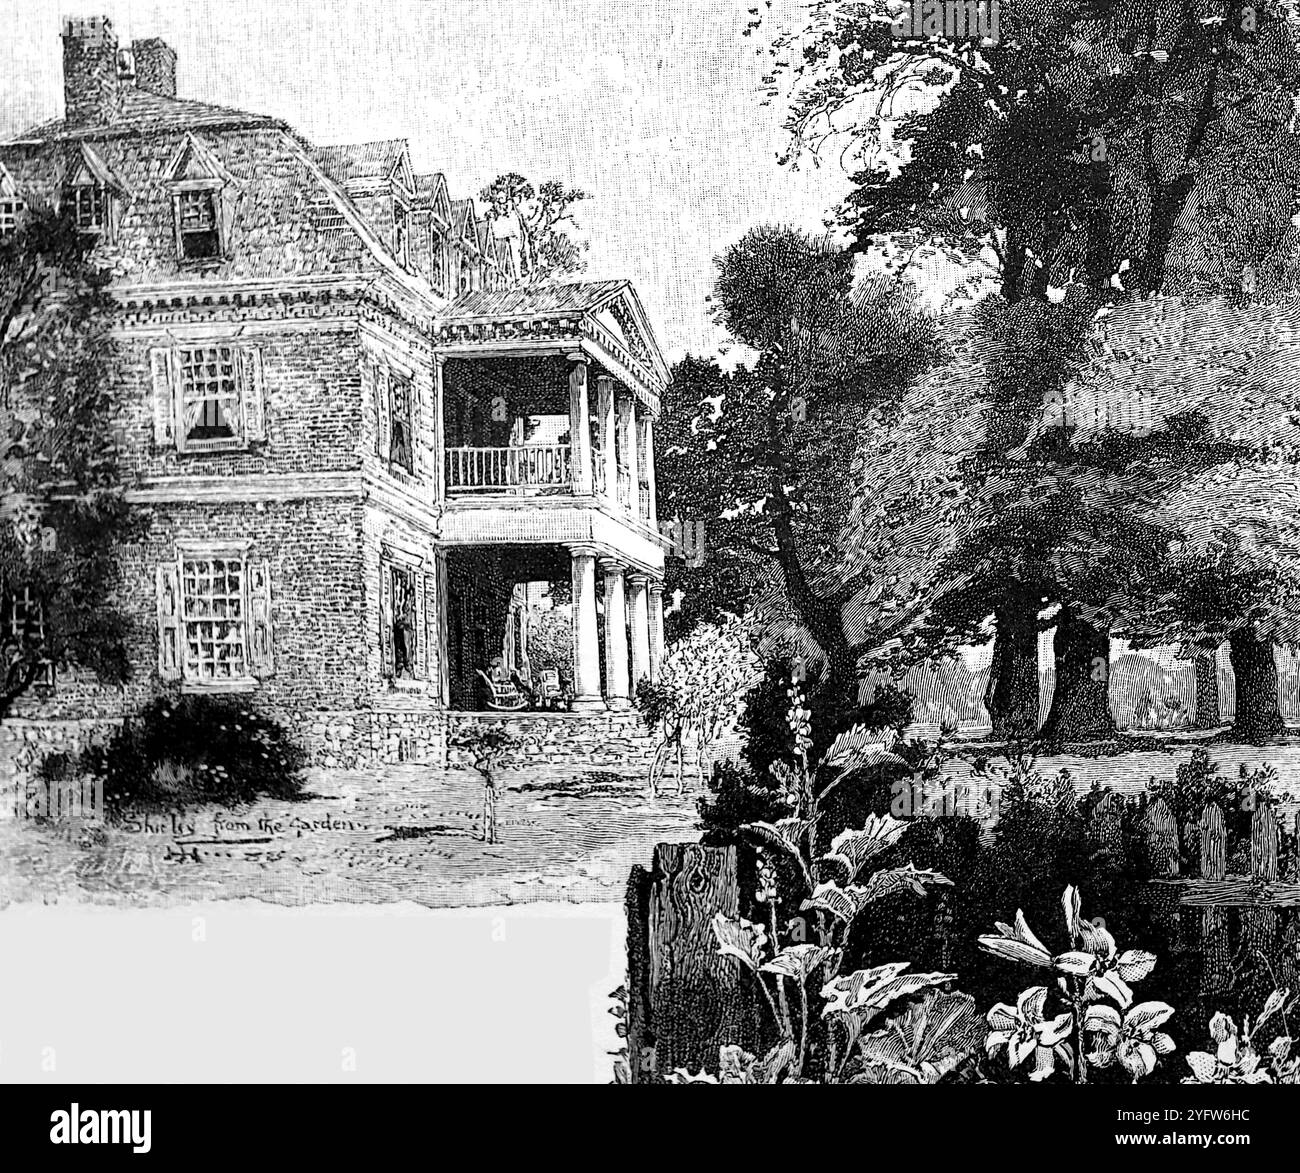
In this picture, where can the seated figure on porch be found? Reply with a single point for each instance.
(502, 692)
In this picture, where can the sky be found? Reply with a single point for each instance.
(651, 106)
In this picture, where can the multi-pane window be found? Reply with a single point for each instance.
(22, 626)
(209, 386)
(88, 206)
(403, 642)
(400, 430)
(213, 619)
(10, 210)
(196, 220)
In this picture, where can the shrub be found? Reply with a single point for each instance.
(196, 749)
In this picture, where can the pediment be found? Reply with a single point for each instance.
(195, 163)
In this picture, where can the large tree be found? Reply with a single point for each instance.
(540, 220)
(769, 456)
(1094, 152)
(62, 509)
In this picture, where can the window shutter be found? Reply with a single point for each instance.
(428, 625)
(114, 207)
(169, 622)
(227, 201)
(259, 604)
(386, 663)
(252, 395)
(381, 412)
(164, 397)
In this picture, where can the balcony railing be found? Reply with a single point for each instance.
(529, 467)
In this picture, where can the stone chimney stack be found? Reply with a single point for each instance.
(91, 87)
(155, 67)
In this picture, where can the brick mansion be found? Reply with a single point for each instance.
(360, 441)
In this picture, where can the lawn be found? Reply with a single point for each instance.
(414, 834)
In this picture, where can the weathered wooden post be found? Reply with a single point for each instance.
(685, 1000)
(1159, 831)
(1259, 924)
(1216, 965)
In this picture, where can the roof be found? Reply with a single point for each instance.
(146, 113)
(351, 162)
(529, 301)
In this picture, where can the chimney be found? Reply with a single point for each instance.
(155, 67)
(91, 91)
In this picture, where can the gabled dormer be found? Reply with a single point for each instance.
(92, 194)
(11, 203)
(204, 197)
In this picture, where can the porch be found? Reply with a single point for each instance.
(528, 632)
(550, 394)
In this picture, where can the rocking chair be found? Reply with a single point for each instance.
(502, 697)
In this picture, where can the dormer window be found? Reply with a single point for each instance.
(196, 215)
(203, 195)
(402, 234)
(88, 206)
(466, 275)
(438, 262)
(93, 197)
(10, 210)
(11, 207)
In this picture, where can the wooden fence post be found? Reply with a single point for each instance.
(1259, 926)
(1159, 830)
(685, 1000)
(1216, 964)
(1105, 833)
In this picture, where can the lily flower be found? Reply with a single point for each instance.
(1234, 1061)
(1023, 1031)
(1017, 943)
(1134, 1040)
(1108, 971)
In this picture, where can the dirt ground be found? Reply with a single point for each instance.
(415, 834)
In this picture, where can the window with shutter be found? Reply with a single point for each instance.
(214, 620)
(208, 397)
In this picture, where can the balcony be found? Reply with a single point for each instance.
(528, 468)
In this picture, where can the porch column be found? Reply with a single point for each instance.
(607, 425)
(616, 690)
(648, 456)
(580, 425)
(656, 592)
(627, 434)
(586, 651)
(638, 616)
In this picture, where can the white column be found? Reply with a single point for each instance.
(579, 425)
(616, 686)
(648, 454)
(586, 651)
(638, 617)
(656, 607)
(607, 425)
(627, 438)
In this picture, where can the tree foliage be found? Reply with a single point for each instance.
(541, 221)
(62, 509)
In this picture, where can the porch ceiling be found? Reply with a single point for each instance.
(602, 319)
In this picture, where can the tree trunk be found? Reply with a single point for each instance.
(1208, 713)
(1081, 702)
(1012, 696)
(1258, 714)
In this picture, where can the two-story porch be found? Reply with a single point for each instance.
(548, 399)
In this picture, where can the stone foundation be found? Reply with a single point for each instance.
(599, 740)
